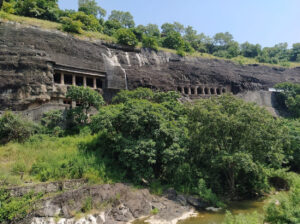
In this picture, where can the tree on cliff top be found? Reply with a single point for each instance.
(125, 18)
(90, 7)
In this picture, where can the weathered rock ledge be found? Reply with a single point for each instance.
(108, 204)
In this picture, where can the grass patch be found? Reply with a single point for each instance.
(44, 158)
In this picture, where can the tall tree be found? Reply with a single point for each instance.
(90, 7)
(125, 18)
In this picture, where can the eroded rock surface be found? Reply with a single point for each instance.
(108, 203)
(29, 55)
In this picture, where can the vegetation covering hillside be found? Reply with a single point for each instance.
(120, 27)
(219, 148)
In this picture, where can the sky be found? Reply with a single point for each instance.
(267, 22)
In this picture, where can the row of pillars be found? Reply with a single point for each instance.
(66, 79)
(202, 90)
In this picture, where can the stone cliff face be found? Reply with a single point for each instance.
(29, 58)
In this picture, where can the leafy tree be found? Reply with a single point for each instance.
(90, 22)
(233, 143)
(168, 28)
(13, 128)
(85, 99)
(70, 25)
(111, 27)
(173, 40)
(222, 39)
(250, 50)
(190, 34)
(150, 42)
(152, 30)
(90, 7)
(290, 97)
(145, 138)
(42, 9)
(125, 18)
(295, 53)
(126, 37)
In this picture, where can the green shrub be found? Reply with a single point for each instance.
(13, 128)
(126, 37)
(8, 7)
(150, 42)
(15, 208)
(52, 119)
(173, 40)
(87, 205)
(90, 22)
(71, 26)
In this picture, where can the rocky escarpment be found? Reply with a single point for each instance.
(29, 56)
(76, 202)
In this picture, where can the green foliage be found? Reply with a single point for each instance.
(253, 218)
(290, 97)
(88, 205)
(13, 128)
(90, 22)
(42, 9)
(150, 42)
(85, 98)
(90, 7)
(111, 26)
(8, 6)
(154, 211)
(173, 40)
(124, 18)
(52, 119)
(126, 37)
(15, 208)
(250, 50)
(71, 26)
(285, 207)
(233, 143)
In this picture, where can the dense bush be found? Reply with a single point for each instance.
(42, 9)
(150, 42)
(90, 22)
(71, 26)
(15, 208)
(290, 97)
(13, 128)
(233, 143)
(85, 99)
(126, 37)
(173, 40)
(111, 26)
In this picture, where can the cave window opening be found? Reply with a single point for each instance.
(206, 91)
(218, 91)
(99, 83)
(192, 91)
(90, 82)
(57, 77)
(223, 90)
(68, 79)
(199, 91)
(212, 91)
(186, 90)
(79, 81)
(179, 89)
(68, 102)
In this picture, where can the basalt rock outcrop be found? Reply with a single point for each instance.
(30, 56)
(103, 204)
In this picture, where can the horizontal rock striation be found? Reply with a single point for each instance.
(29, 57)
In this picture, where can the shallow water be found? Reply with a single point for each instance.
(218, 217)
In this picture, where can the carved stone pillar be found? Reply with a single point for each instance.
(62, 78)
(84, 81)
(95, 83)
(190, 92)
(73, 80)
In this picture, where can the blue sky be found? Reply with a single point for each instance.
(266, 22)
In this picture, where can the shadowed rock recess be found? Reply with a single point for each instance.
(37, 66)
